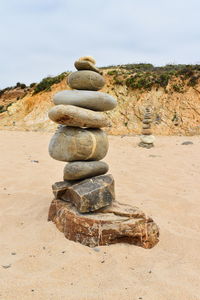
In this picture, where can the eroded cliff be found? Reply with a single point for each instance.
(174, 100)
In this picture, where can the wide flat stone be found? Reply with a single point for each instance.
(92, 194)
(86, 65)
(85, 80)
(84, 169)
(75, 144)
(97, 101)
(148, 139)
(71, 115)
(118, 223)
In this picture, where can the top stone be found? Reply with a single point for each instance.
(86, 63)
(88, 58)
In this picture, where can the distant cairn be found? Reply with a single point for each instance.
(147, 139)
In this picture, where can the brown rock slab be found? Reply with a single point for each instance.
(92, 194)
(118, 223)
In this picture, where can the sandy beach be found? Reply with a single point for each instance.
(38, 262)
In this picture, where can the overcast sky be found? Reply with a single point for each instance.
(44, 37)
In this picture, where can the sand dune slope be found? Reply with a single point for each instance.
(37, 262)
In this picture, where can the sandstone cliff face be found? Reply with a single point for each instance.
(174, 113)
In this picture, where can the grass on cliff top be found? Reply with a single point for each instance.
(145, 76)
(135, 76)
(46, 83)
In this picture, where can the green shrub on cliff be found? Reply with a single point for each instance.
(46, 83)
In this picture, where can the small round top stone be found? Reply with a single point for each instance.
(87, 58)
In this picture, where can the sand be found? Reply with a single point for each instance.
(37, 262)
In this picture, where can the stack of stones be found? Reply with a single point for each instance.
(80, 141)
(84, 208)
(147, 139)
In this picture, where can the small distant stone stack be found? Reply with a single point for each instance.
(84, 207)
(147, 139)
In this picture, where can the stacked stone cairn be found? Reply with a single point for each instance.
(147, 139)
(84, 208)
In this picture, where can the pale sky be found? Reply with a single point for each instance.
(45, 37)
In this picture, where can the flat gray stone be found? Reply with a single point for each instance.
(145, 145)
(85, 80)
(86, 65)
(71, 115)
(92, 194)
(84, 169)
(97, 101)
(75, 144)
(187, 143)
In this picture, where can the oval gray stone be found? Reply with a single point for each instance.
(72, 144)
(87, 99)
(71, 115)
(84, 169)
(85, 80)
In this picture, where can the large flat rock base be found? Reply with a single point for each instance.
(118, 223)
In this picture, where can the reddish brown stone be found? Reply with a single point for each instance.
(115, 224)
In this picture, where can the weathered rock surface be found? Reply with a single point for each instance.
(73, 144)
(71, 115)
(59, 189)
(148, 139)
(84, 169)
(92, 194)
(87, 99)
(86, 65)
(86, 80)
(116, 224)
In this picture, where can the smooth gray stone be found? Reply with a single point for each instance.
(84, 169)
(71, 115)
(73, 144)
(86, 65)
(85, 80)
(93, 193)
(97, 101)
